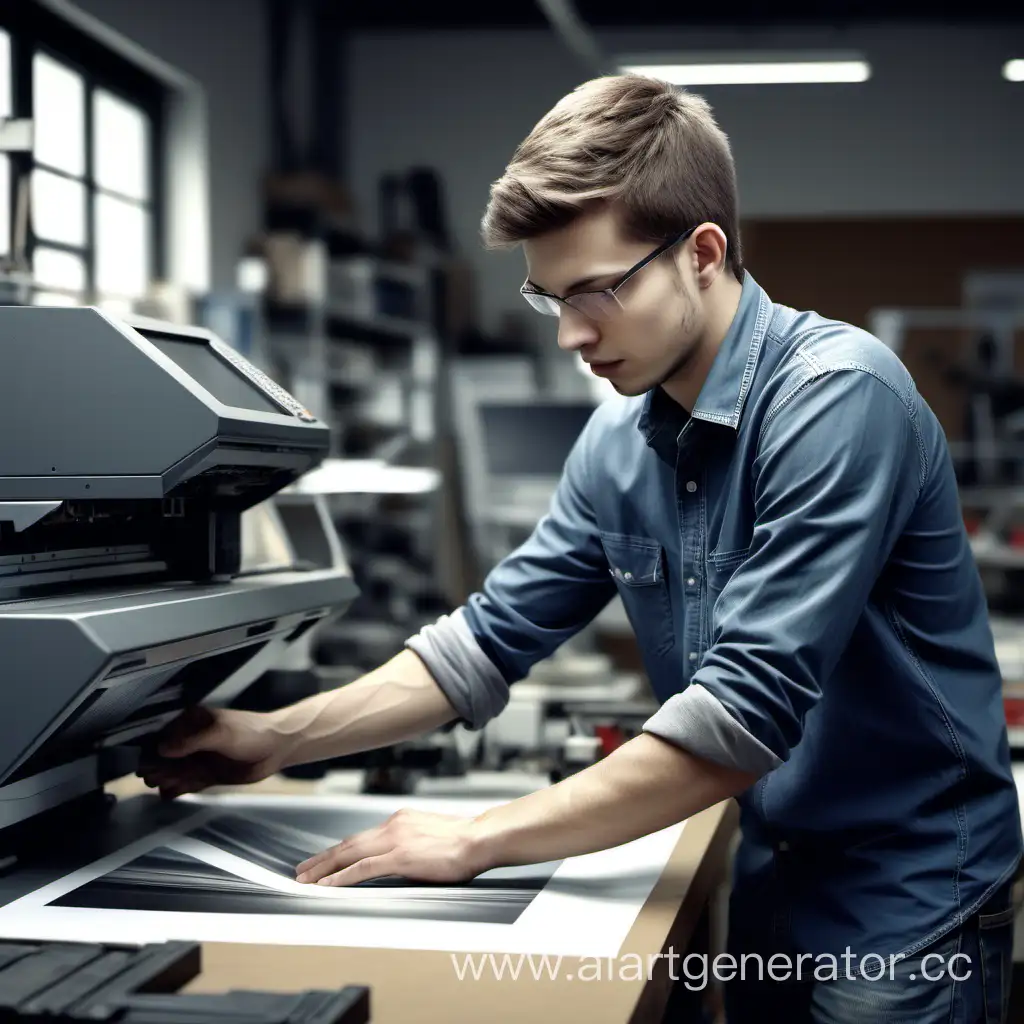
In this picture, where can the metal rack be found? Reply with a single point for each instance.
(363, 353)
(999, 440)
(994, 311)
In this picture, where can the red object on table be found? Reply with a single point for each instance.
(611, 736)
(1014, 707)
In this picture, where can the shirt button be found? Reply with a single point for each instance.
(693, 655)
(691, 486)
(627, 575)
(690, 582)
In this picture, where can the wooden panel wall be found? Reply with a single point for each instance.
(844, 268)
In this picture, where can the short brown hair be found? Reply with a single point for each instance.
(639, 143)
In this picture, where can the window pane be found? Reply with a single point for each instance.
(5, 206)
(122, 247)
(58, 208)
(53, 268)
(5, 75)
(116, 307)
(59, 114)
(120, 146)
(55, 299)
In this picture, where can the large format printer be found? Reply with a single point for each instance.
(129, 453)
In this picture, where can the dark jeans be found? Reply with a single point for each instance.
(964, 978)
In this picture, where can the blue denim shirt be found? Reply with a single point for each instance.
(794, 563)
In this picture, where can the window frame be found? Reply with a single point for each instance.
(33, 29)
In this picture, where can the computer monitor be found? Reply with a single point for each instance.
(532, 439)
(524, 447)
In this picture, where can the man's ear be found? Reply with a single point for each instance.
(710, 249)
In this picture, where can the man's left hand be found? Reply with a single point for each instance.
(410, 844)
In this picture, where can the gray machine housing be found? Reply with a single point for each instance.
(128, 454)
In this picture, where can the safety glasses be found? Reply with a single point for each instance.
(595, 305)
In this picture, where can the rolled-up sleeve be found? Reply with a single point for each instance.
(535, 599)
(837, 473)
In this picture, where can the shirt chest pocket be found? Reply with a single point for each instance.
(637, 564)
(721, 566)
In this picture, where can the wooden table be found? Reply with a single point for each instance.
(408, 986)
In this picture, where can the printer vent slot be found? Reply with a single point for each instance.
(126, 666)
(302, 628)
(196, 679)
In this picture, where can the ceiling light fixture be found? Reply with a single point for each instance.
(1013, 71)
(747, 69)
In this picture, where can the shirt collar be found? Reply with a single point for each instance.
(728, 381)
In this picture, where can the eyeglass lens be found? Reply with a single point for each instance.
(596, 305)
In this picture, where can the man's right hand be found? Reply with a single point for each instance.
(206, 747)
(212, 747)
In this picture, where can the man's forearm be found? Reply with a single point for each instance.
(395, 702)
(643, 786)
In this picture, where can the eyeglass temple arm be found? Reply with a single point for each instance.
(660, 251)
(528, 285)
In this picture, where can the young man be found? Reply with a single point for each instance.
(775, 505)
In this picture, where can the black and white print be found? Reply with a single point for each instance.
(169, 879)
(224, 871)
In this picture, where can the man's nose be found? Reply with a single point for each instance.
(575, 330)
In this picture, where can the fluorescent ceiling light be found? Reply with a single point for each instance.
(755, 70)
(1013, 71)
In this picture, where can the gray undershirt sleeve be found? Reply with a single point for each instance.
(468, 678)
(696, 721)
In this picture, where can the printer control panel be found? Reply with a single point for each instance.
(264, 383)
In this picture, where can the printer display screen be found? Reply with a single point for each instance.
(207, 369)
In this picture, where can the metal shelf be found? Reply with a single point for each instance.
(997, 556)
(988, 497)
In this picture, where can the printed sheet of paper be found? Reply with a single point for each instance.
(227, 874)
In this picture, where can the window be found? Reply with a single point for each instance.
(91, 191)
(91, 180)
(6, 108)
